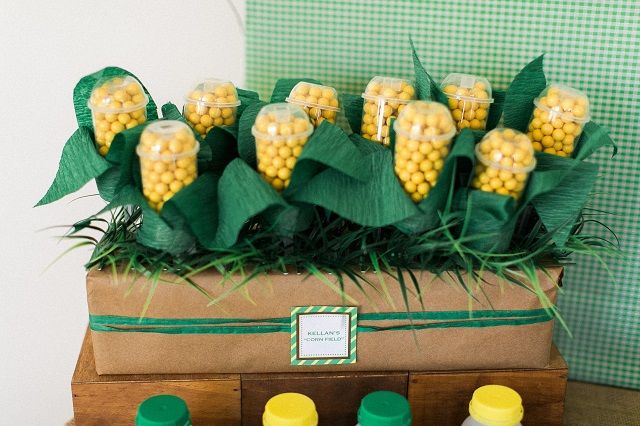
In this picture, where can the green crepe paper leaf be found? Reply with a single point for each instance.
(196, 206)
(289, 220)
(379, 201)
(242, 194)
(154, 232)
(246, 141)
(284, 86)
(352, 107)
(79, 163)
(107, 183)
(490, 216)
(426, 87)
(123, 151)
(593, 138)
(496, 108)
(462, 152)
(329, 147)
(525, 87)
(558, 189)
(222, 143)
(82, 92)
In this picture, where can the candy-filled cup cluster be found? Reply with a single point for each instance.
(319, 102)
(384, 99)
(469, 100)
(168, 160)
(423, 135)
(505, 158)
(558, 117)
(116, 104)
(210, 104)
(281, 131)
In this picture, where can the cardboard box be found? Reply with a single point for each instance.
(192, 347)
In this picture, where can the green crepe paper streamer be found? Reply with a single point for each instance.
(196, 206)
(428, 218)
(525, 87)
(82, 92)
(284, 86)
(593, 138)
(352, 106)
(492, 216)
(154, 232)
(242, 194)
(558, 190)
(246, 141)
(330, 147)
(379, 201)
(495, 109)
(107, 183)
(79, 163)
(426, 87)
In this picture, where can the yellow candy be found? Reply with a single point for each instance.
(557, 120)
(423, 133)
(211, 103)
(384, 98)
(469, 100)
(116, 104)
(281, 131)
(505, 158)
(319, 102)
(168, 160)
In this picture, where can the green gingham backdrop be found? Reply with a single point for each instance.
(591, 45)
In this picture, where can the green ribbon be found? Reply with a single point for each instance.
(438, 319)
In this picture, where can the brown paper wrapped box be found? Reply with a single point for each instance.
(273, 296)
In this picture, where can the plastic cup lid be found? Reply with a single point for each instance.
(292, 100)
(467, 82)
(112, 84)
(290, 409)
(282, 113)
(496, 405)
(564, 92)
(167, 128)
(384, 408)
(163, 410)
(387, 82)
(208, 87)
(495, 162)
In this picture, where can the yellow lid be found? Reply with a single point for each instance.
(290, 409)
(496, 405)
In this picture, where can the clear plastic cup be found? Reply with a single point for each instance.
(557, 120)
(318, 101)
(281, 131)
(211, 103)
(505, 158)
(423, 135)
(116, 104)
(469, 99)
(168, 160)
(384, 99)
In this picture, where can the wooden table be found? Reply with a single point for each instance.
(436, 397)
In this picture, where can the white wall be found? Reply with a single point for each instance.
(45, 47)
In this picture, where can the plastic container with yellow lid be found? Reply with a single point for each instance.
(495, 405)
(290, 409)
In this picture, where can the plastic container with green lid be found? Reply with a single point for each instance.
(163, 410)
(290, 409)
(384, 408)
(495, 405)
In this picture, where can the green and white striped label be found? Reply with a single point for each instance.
(323, 335)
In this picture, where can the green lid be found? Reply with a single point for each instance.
(163, 410)
(384, 408)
